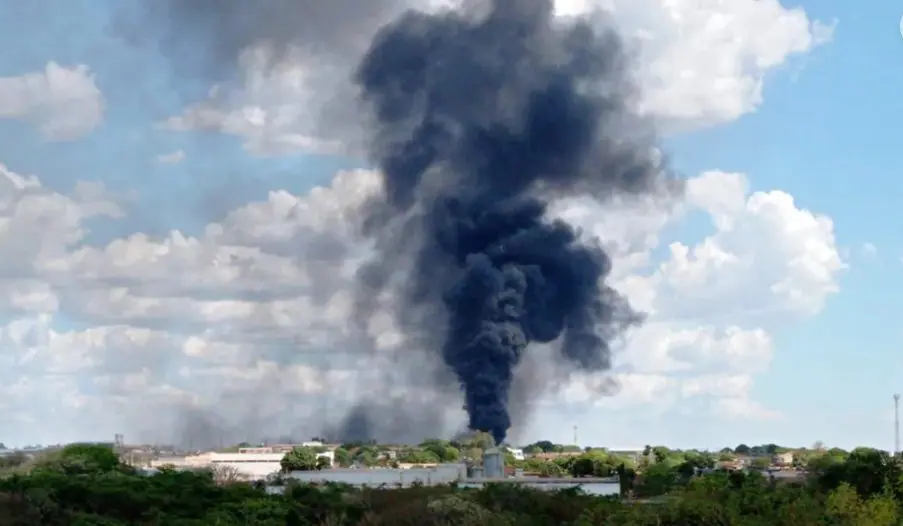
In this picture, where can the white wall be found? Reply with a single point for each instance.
(517, 453)
(254, 465)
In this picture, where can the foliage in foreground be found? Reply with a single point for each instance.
(84, 486)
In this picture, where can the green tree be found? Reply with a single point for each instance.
(451, 454)
(342, 457)
(626, 480)
(543, 446)
(660, 453)
(657, 479)
(366, 457)
(418, 456)
(442, 450)
(727, 456)
(550, 470)
(299, 459)
(845, 505)
(583, 466)
(760, 463)
(81, 458)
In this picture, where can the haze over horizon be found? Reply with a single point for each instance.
(180, 242)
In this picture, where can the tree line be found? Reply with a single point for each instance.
(545, 458)
(87, 485)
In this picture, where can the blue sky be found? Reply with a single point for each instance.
(824, 134)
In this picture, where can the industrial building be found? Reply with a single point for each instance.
(252, 465)
(440, 474)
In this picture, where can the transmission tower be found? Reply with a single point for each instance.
(896, 424)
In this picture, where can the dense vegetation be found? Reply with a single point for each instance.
(545, 458)
(87, 485)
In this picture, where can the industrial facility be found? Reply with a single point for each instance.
(251, 463)
(265, 463)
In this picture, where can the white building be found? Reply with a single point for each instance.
(282, 448)
(517, 453)
(253, 465)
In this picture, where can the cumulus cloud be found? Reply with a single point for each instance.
(244, 328)
(712, 303)
(704, 62)
(64, 103)
(245, 318)
(791, 251)
(699, 64)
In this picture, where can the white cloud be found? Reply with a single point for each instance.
(253, 317)
(64, 103)
(701, 63)
(791, 252)
(271, 113)
(711, 303)
(244, 317)
(38, 225)
(704, 62)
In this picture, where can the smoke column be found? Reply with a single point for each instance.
(478, 121)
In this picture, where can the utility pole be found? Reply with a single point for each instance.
(896, 424)
(575, 436)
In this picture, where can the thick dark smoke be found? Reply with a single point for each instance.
(479, 122)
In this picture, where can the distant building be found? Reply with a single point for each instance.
(263, 450)
(744, 460)
(441, 474)
(283, 448)
(729, 465)
(783, 459)
(517, 453)
(248, 462)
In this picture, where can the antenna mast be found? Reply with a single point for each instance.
(896, 424)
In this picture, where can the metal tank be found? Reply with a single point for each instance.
(493, 463)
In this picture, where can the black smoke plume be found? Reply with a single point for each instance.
(479, 120)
